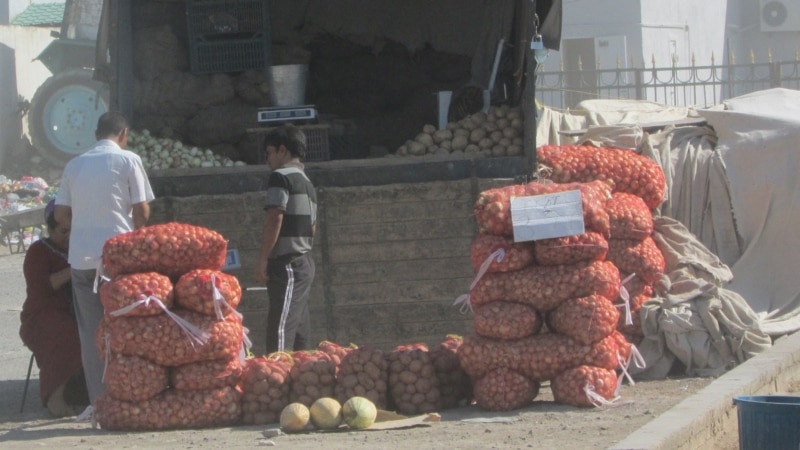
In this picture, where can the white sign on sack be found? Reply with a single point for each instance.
(547, 216)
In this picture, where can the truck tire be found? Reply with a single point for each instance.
(63, 114)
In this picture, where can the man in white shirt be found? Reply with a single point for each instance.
(104, 192)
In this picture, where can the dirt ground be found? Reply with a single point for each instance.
(543, 425)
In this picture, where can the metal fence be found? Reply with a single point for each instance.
(699, 86)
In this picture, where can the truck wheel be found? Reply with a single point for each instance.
(63, 114)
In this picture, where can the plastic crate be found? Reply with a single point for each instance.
(228, 35)
(232, 55)
(220, 18)
(317, 145)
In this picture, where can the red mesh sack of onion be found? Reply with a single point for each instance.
(171, 249)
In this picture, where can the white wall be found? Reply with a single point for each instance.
(744, 34)
(682, 29)
(20, 76)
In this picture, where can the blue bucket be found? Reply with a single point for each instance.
(768, 422)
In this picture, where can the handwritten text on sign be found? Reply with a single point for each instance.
(547, 216)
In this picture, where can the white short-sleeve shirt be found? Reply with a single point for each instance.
(101, 186)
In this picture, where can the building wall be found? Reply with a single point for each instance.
(20, 76)
(390, 259)
(684, 29)
(744, 34)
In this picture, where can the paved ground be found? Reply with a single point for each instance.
(683, 413)
(13, 354)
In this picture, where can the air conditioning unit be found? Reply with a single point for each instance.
(779, 15)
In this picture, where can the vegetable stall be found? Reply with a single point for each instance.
(422, 299)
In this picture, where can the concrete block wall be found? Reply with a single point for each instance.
(391, 259)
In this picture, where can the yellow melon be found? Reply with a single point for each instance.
(326, 413)
(359, 413)
(294, 417)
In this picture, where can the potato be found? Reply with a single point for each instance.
(501, 111)
(514, 113)
(416, 148)
(428, 128)
(467, 124)
(440, 136)
(486, 144)
(424, 139)
(510, 132)
(479, 117)
(459, 142)
(461, 132)
(476, 135)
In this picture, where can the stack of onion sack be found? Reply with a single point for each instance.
(171, 336)
(565, 283)
(638, 187)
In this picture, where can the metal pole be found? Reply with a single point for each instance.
(529, 96)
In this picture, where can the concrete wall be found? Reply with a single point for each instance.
(390, 259)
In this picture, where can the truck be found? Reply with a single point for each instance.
(64, 110)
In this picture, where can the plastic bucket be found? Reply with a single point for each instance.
(287, 84)
(768, 422)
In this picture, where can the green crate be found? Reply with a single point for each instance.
(210, 18)
(230, 55)
(228, 35)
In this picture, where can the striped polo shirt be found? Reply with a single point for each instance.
(290, 190)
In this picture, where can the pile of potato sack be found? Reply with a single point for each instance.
(562, 310)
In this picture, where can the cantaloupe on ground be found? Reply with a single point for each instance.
(326, 413)
(359, 413)
(294, 417)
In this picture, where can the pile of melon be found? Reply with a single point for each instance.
(326, 413)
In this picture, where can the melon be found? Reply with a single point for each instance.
(294, 417)
(326, 413)
(359, 413)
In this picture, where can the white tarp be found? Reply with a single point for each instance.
(759, 142)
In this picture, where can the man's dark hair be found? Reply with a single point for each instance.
(290, 137)
(111, 124)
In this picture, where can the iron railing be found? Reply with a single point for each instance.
(698, 86)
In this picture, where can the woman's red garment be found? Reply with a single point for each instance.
(48, 325)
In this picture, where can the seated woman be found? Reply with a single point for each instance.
(48, 325)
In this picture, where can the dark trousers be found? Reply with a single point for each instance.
(288, 318)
